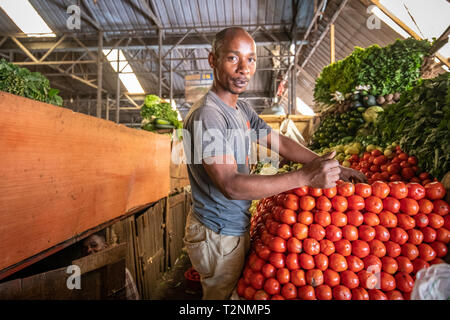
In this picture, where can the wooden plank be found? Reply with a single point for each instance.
(175, 229)
(63, 173)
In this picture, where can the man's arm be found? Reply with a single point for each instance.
(321, 173)
(293, 151)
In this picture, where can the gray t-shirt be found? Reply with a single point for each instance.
(217, 129)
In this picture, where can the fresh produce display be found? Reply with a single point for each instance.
(23, 82)
(158, 114)
(354, 241)
(394, 68)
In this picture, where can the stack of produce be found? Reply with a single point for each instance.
(23, 82)
(158, 114)
(354, 241)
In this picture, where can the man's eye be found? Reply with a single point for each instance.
(252, 60)
(233, 58)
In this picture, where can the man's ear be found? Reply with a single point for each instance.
(211, 60)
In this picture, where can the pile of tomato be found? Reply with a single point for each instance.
(397, 167)
(354, 241)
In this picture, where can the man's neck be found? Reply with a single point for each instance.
(226, 96)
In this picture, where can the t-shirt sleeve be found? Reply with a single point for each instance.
(260, 127)
(209, 132)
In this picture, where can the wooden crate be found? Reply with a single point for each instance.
(303, 123)
(64, 173)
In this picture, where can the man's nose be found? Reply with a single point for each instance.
(243, 67)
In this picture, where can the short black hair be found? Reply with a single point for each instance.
(219, 39)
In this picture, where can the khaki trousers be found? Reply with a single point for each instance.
(218, 258)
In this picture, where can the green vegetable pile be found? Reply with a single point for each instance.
(420, 122)
(158, 114)
(394, 68)
(23, 82)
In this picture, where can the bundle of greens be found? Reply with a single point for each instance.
(394, 68)
(25, 83)
(158, 114)
(420, 122)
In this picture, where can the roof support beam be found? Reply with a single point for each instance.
(24, 49)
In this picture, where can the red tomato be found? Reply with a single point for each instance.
(302, 191)
(289, 291)
(255, 262)
(404, 264)
(339, 203)
(291, 201)
(257, 280)
(373, 204)
(331, 278)
(321, 261)
(327, 247)
(415, 191)
(306, 293)
(277, 297)
(387, 282)
(323, 292)
(410, 251)
(249, 293)
(394, 295)
(360, 248)
(316, 231)
(355, 202)
(300, 231)
(440, 248)
(393, 168)
(367, 279)
(298, 278)
(284, 231)
(311, 246)
(350, 232)
(441, 207)
(367, 233)
(354, 263)
(434, 190)
(241, 287)
(377, 248)
(294, 245)
(389, 265)
(346, 189)
(363, 189)
(306, 261)
(426, 252)
(330, 192)
(393, 249)
(292, 261)
(391, 204)
(398, 190)
(277, 259)
(341, 292)
(419, 264)
(388, 219)
(398, 235)
(338, 219)
(409, 206)
(344, 247)
(305, 217)
(375, 294)
(307, 203)
(429, 234)
(435, 220)
(381, 233)
(280, 199)
(360, 294)
(404, 282)
(322, 218)
(405, 221)
(372, 263)
(436, 261)
(421, 220)
(315, 192)
(425, 206)
(288, 216)
(333, 233)
(323, 203)
(283, 275)
(415, 236)
(349, 279)
(262, 251)
(314, 277)
(261, 295)
(447, 222)
(355, 218)
(371, 219)
(268, 271)
(424, 175)
(277, 244)
(380, 189)
(337, 262)
(443, 235)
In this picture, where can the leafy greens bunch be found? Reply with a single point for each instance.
(23, 82)
(154, 107)
(394, 68)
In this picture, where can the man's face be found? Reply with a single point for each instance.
(93, 244)
(236, 62)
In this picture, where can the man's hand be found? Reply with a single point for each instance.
(351, 175)
(322, 172)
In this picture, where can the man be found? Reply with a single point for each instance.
(96, 243)
(216, 235)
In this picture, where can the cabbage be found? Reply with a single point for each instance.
(371, 114)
